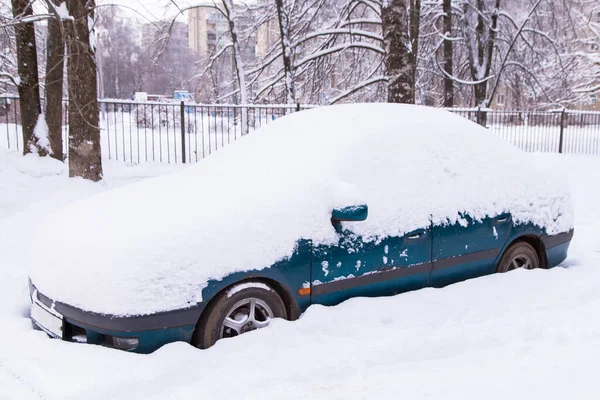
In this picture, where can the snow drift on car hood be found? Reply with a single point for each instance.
(153, 245)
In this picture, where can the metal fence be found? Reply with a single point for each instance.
(560, 131)
(178, 132)
(138, 132)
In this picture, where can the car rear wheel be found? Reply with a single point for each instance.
(242, 308)
(519, 255)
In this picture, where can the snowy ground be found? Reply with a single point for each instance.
(527, 334)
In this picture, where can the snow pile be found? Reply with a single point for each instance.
(62, 11)
(41, 133)
(537, 330)
(152, 246)
(17, 172)
(32, 187)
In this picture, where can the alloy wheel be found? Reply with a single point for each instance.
(520, 261)
(246, 315)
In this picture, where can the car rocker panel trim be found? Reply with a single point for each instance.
(383, 275)
(465, 258)
(391, 273)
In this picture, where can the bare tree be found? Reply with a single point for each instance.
(400, 21)
(55, 55)
(328, 51)
(239, 68)
(581, 18)
(28, 82)
(480, 24)
(8, 59)
(123, 66)
(84, 130)
(448, 54)
(284, 27)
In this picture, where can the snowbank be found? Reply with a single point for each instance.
(152, 246)
(537, 330)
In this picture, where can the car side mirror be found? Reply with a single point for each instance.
(352, 214)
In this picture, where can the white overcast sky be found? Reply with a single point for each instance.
(149, 9)
(152, 9)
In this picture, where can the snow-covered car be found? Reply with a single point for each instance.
(315, 208)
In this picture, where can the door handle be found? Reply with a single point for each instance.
(503, 219)
(416, 235)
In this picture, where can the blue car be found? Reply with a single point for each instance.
(383, 212)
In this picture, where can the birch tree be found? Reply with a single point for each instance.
(400, 22)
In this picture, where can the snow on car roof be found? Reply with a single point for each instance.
(153, 245)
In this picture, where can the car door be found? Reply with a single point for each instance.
(355, 267)
(467, 249)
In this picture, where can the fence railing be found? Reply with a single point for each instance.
(561, 131)
(178, 132)
(181, 132)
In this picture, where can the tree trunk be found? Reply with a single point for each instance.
(286, 52)
(485, 42)
(399, 57)
(84, 130)
(486, 55)
(480, 91)
(29, 88)
(448, 55)
(55, 62)
(415, 25)
(238, 65)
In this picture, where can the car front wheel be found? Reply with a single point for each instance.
(242, 308)
(519, 255)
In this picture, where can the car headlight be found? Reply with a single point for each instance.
(125, 343)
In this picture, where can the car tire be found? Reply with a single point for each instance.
(519, 255)
(230, 314)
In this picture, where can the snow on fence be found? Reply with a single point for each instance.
(138, 132)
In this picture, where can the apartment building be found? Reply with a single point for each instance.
(208, 30)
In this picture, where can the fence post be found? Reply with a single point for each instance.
(182, 112)
(479, 115)
(297, 107)
(562, 131)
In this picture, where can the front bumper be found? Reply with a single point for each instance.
(151, 331)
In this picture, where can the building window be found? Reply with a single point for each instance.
(500, 100)
(211, 36)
